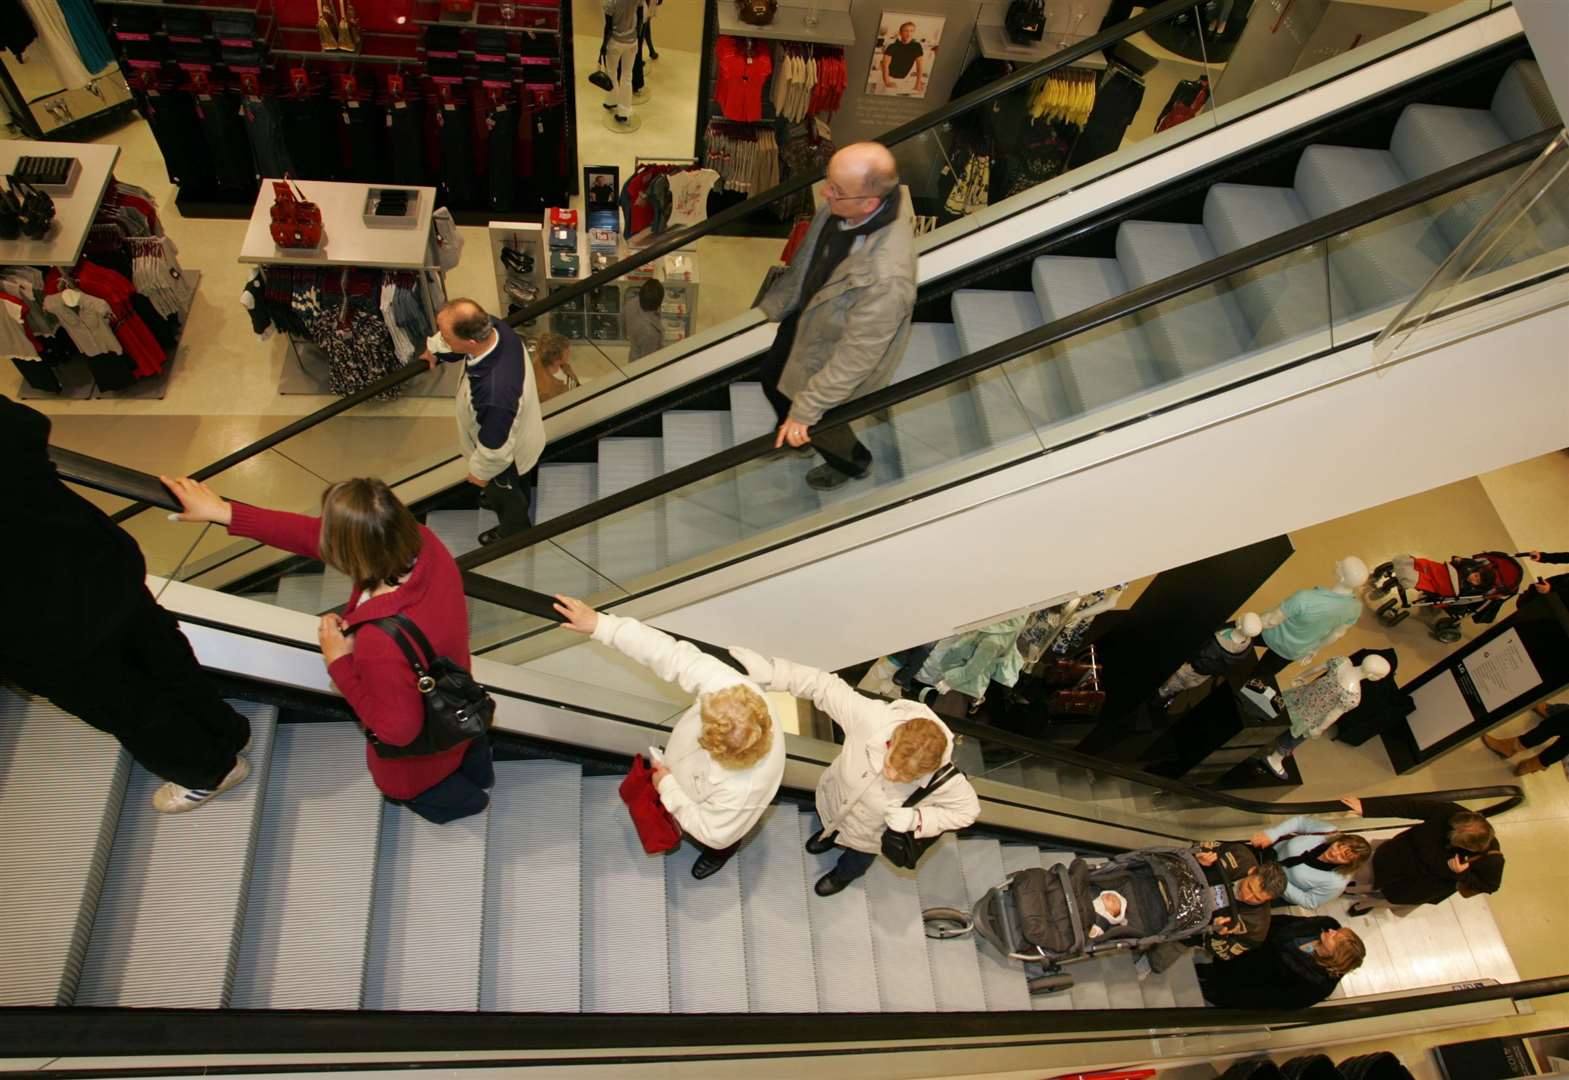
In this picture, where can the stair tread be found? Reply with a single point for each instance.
(708, 956)
(940, 426)
(458, 529)
(625, 462)
(1105, 364)
(779, 959)
(624, 909)
(841, 936)
(531, 960)
(904, 975)
(61, 785)
(307, 916)
(427, 914)
(956, 973)
(1003, 980)
(168, 920)
(692, 435)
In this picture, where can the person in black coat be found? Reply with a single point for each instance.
(1558, 583)
(1300, 964)
(82, 630)
(1452, 850)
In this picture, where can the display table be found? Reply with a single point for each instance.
(350, 242)
(73, 213)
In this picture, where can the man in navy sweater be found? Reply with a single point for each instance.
(500, 425)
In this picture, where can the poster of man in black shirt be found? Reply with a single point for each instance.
(905, 52)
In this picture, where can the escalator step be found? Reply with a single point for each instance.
(703, 516)
(1106, 364)
(841, 936)
(307, 917)
(1002, 979)
(458, 529)
(708, 961)
(629, 544)
(1201, 328)
(61, 786)
(624, 909)
(1523, 104)
(984, 317)
(168, 923)
(428, 913)
(531, 958)
(940, 426)
(1429, 138)
(956, 973)
(904, 974)
(772, 491)
(781, 970)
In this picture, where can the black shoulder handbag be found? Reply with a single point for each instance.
(1025, 21)
(457, 708)
(904, 849)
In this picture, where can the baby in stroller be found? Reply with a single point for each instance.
(1474, 586)
(1156, 902)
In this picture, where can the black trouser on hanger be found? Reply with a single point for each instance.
(838, 446)
(309, 131)
(457, 155)
(361, 140)
(503, 149)
(464, 793)
(179, 135)
(224, 132)
(265, 129)
(143, 685)
(509, 498)
(407, 133)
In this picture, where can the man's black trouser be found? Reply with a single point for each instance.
(838, 446)
(144, 686)
(507, 494)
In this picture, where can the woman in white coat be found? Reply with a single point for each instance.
(1319, 860)
(891, 748)
(722, 766)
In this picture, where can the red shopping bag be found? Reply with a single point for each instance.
(656, 826)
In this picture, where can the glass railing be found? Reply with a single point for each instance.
(1525, 235)
(1033, 133)
(1203, 330)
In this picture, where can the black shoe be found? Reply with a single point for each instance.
(1357, 911)
(827, 885)
(610, 104)
(709, 864)
(652, 55)
(820, 844)
(826, 478)
(490, 536)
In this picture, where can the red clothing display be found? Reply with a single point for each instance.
(134, 337)
(742, 69)
(375, 679)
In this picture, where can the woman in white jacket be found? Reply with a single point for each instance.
(891, 748)
(1319, 860)
(722, 766)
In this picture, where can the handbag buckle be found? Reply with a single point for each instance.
(426, 684)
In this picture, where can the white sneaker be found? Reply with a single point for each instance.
(171, 798)
(1276, 763)
(1141, 967)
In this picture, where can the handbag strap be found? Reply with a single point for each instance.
(939, 778)
(402, 631)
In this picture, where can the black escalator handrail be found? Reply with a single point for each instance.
(687, 236)
(1118, 307)
(111, 479)
(518, 598)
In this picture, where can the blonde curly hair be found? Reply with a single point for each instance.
(737, 727)
(917, 747)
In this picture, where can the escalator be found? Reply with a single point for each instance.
(1357, 220)
(686, 411)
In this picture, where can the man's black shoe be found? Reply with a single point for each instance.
(820, 844)
(490, 536)
(709, 864)
(827, 885)
(1357, 910)
(826, 478)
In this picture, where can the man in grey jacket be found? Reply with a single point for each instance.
(500, 424)
(843, 308)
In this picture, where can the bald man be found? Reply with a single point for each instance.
(500, 424)
(843, 308)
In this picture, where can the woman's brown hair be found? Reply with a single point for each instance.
(366, 533)
(1346, 956)
(1358, 846)
(917, 747)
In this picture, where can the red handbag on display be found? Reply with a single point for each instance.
(296, 223)
(656, 826)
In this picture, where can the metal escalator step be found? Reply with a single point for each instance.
(1197, 330)
(771, 491)
(1089, 977)
(624, 909)
(61, 786)
(630, 543)
(1108, 363)
(531, 957)
(1183, 978)
(307, 917)
(1002, 980)
(458, 529)
(691, 435)
(904, 974)
(841, 936)
(940, 426)
(781, 971)
(956, 973)
(984, 317)
(167, 931)
(427, 913)
(563, 488)
(706, 515)
(708, 971)
(303, 592)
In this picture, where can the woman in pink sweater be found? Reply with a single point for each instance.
(398, 567)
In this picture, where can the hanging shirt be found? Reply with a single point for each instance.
(89, 322)
(743, 71)
(1312, 616)
(689, 196)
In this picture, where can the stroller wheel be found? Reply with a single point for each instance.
(1050, 984)
(1447, 631)
(943, 923)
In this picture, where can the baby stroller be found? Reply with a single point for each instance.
(1444, 593)
(1042, 917)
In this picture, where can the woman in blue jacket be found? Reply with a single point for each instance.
(1319, 860)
